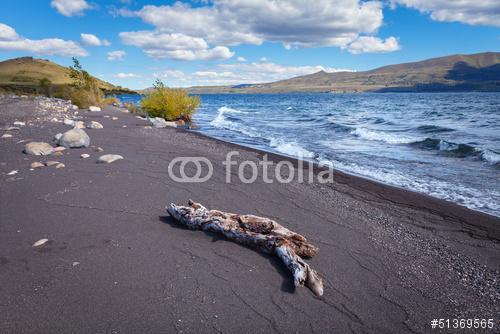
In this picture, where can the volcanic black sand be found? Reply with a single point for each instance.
(392, 260)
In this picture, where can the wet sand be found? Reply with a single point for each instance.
(392, 260)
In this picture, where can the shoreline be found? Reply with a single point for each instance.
(392, 193)
(392, 260)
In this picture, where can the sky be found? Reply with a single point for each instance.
(227, 42)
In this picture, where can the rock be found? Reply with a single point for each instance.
(109, 158)
(51, 163)
(159, 122)
(12, 128)
(74, 107)
(40, 242)
(60, 165)
(99, 149)
(94, 125)
(57, 137)
(14, 172)
(7, 135)
(54, 120)
(180, 122)
(38, 148)
(58, 153)
(94, 108)
(74, 138)
(59, 148)
(36, 164)
(85, 156)
(114, 118)
(75, 264)
(124, 126)
(69, 122)
(19, 123)
(79, 125)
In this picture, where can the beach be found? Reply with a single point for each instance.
(391, 260)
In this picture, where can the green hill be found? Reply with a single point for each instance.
(477, 72)
(24, 75)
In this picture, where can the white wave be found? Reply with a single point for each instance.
(228, 110)
(386, 137)
(491, 157)
(290, 148)
(475, 199)
(289, 108)
(221, 122)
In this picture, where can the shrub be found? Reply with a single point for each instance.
(169, 103)
(110, 100)
(85, 90)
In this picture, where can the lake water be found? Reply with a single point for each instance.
(446, 145)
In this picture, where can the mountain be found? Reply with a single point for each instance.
(477, 72)
(24, 74)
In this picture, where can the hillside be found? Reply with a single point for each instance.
(477, 72)
(25, 73)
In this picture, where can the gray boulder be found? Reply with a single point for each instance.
(38, 148)
(74, 138)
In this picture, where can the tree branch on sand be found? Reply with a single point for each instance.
(260, 233)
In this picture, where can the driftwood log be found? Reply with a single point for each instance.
(260, 233)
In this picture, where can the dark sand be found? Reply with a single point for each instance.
(392, 260)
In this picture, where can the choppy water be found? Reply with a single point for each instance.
(443, 144)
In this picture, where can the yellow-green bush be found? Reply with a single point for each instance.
(169, 103)
(131, 107)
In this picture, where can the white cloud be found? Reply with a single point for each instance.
(11, 41)
(7, 33)
(126, 75)
(368, 44)
(242, 59)
(174, 45)
(70, 7)
(294, 23)
(233, 74)
(473, 12)
(116, 55)
(300, 23)
(93, 40)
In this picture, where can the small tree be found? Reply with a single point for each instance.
(85, 88)
(169, 103)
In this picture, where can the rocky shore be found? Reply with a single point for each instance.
(86, 245)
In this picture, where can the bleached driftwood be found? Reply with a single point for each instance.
(260, 233)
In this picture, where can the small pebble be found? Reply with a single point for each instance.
(40, 242)
(36, 164)
(85, 156)
(99, 149)
(60, 165)
(14, 172)
(7, 135)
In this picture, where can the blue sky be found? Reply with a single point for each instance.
(132, 42)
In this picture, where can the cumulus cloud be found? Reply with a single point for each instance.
(232, 74)
(93, 40)
(116, 55)
(368, 44)
(126, 75)
(294, 23)
(11, 41)
(242, 59)
(174, 45)
(70, 7)
(473, 12)
(299, 23)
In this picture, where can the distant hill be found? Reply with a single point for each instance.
(477, 72)
(25, 73)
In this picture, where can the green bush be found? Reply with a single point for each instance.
(169, 103)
